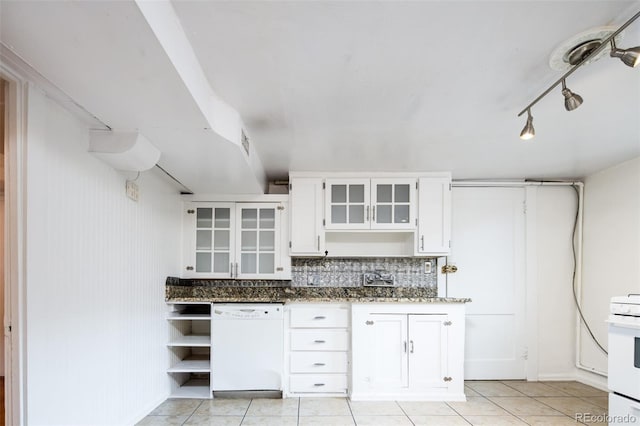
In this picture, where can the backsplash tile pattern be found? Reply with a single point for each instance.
(344, 272)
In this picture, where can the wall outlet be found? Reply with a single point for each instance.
(132, 190)
(313, 280)
(427, 267)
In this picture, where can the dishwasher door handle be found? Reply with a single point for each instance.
(247, 310)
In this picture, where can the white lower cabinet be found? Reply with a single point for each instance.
(407, 352)
(190, 350)
(317, 349)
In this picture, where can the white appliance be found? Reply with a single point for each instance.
(247, 347)
(624, 360)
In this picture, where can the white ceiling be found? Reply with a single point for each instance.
(344, 86)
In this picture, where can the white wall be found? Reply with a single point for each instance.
(554, 216)
(96, 265)
(611, 249)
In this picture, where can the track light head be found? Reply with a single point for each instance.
(528, 132)
(571, 100)
(630, 57)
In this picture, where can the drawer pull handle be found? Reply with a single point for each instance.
(319, 341)
(319, 317)
(318, 384)
(319, 364)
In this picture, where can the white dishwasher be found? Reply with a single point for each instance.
(247, 347)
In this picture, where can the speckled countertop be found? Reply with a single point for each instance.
(208, 293)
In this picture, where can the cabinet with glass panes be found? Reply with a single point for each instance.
(356, 203)
(236, 241)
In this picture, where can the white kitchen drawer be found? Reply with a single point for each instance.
(318, 383)
(319, 317)
(319, 340)
(318, 362)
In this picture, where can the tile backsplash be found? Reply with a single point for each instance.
(345, 272)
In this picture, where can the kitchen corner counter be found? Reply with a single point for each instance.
(229, 294)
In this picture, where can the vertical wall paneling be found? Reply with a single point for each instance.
(611, 250)
(97, 261)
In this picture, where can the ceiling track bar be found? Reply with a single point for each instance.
(604, 43)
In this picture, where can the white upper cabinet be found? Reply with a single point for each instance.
(236, 241)
(306, 228)
(434, 218)
(369, 215)
(353, 204)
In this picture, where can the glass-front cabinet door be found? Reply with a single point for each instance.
(214, 240)
(393, 203)
(347, 204)
(258, 249)
(235, 240)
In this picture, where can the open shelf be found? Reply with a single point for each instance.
(194, 340)
(189, 348)
(193, 364)
(193, 389)
(188, 316)
(196, 311)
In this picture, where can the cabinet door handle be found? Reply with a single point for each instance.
(318, 384)
(422, 242)
(236, 269)
(319, 341)
(319, 317)
(318, 242)
(411, 343)
(373, 213)
(319, 364)
(367, 214)
(231, 269)
(405, 346)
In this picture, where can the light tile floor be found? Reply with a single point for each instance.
(493, 403)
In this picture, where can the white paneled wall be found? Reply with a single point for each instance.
(96, 265)
(611, 250)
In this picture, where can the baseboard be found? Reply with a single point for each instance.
(557, 377)
(592, 379)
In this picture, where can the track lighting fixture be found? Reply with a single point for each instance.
(528, 132)
(571, 100)
(630, 57)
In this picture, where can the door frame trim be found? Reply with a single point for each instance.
(15, 249)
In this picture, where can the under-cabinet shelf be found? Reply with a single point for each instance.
(197, 388)
(188, 316)
(194, 340)
(197, 363)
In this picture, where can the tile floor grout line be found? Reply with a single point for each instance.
(246, 411)
(194, 411)
(404, 412)
(542, 402)
(351, 411)
(456, 411)
(298, 418)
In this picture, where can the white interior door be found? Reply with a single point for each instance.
(488, 248)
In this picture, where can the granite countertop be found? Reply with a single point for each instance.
(210, 293)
